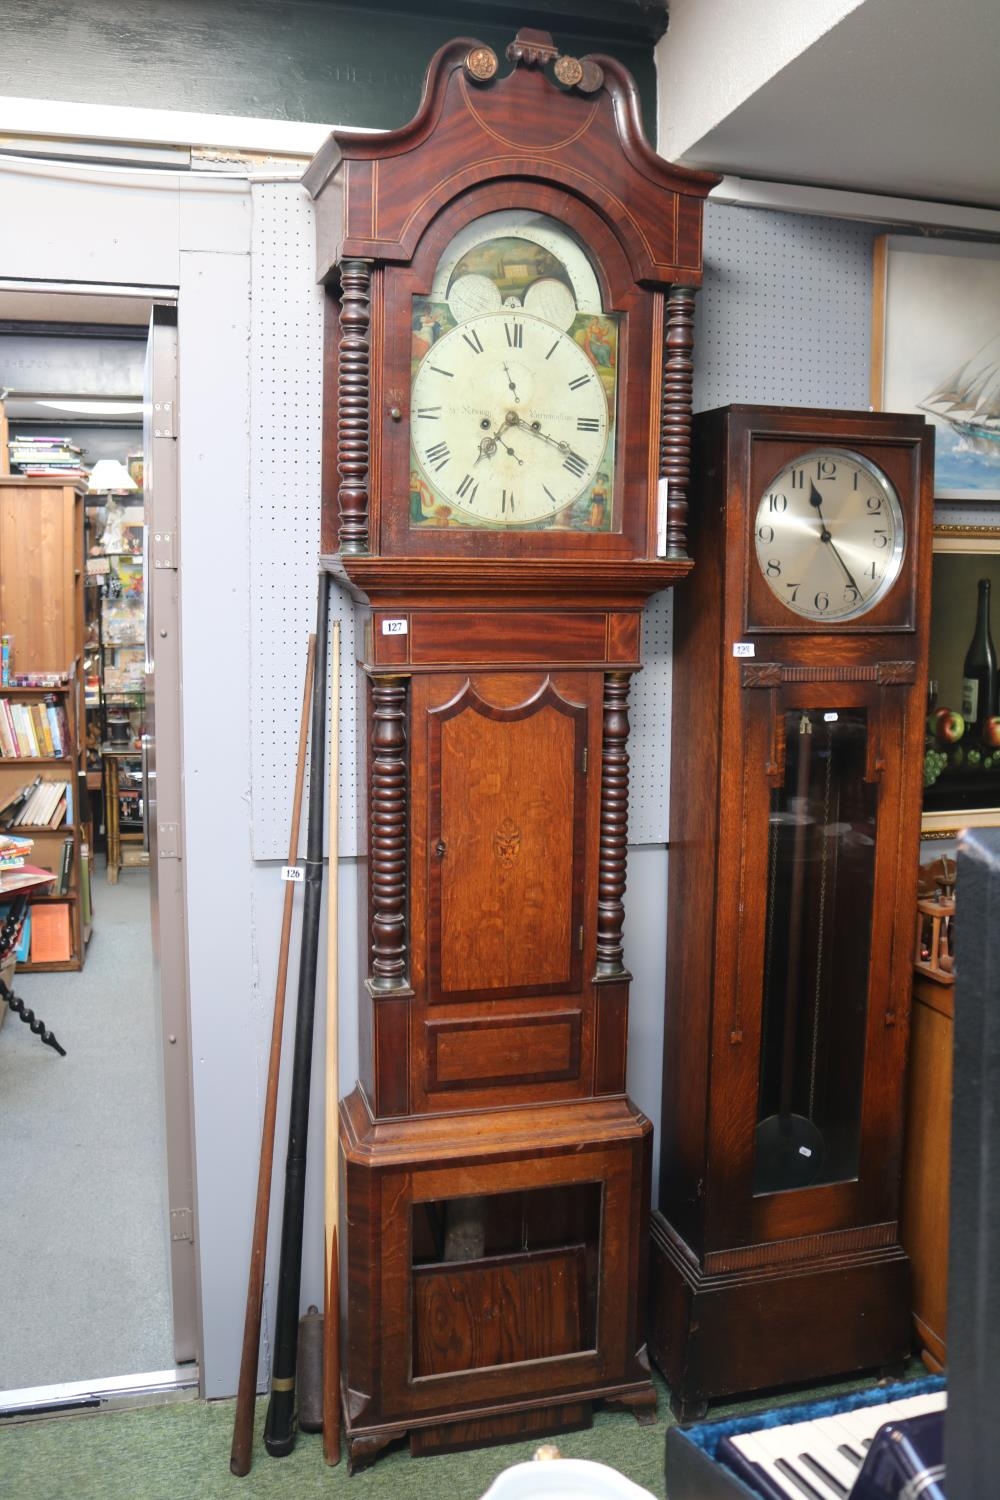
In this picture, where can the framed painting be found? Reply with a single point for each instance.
(961, 766)
(936, 350)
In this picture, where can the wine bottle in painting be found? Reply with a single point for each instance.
(979, 675)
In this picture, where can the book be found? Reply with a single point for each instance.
(51, 933)
(8, 743)
(10, 844)
(59, 746)
(59, 814)
(65, 868)
(24, 878)
(86, 904)
(40, 723)
(24, 733)
(15, 801)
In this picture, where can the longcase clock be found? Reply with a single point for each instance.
(508, 399)
(800, 659)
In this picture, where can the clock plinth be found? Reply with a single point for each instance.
(506, 441)
(444, 1344)
(800, 659)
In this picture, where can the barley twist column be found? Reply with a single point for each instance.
(613, 851)
(675, 414)
(353, 402)
(388, 809)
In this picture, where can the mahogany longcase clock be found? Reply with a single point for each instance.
(800, 659)
(508, 398)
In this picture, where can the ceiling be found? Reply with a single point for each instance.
(901, 97)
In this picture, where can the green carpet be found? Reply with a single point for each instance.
(181, 1452)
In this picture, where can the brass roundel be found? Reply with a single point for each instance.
(593, 76)
(481, 64)
(569, 70)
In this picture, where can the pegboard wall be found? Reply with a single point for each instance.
(784, 317)
(785, 312)
(286, 395)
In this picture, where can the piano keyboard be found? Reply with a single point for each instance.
(820, 1459)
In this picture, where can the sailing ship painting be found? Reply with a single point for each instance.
(967, 401)
(942, 355)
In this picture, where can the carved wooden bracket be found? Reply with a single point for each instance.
(769, 674)
(533, 49)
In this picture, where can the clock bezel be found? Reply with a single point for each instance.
(880, 479)
(637, 395)
(769, 453)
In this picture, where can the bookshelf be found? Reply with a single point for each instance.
(41, 611)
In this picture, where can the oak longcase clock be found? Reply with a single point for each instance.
(508, 401)
(800, 657)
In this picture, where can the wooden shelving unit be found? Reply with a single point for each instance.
(41, 609)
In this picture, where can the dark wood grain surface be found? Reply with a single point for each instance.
(743, 1281)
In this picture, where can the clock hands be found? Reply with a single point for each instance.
(513, 420)
(816, 500)
(510, 384)
(488, 446)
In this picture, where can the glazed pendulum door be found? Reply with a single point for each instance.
(820, 885)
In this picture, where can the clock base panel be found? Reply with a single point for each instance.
(510, 1316)
(736, 1332)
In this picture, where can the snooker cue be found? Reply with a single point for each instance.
(280, 1422)
(331, 1308)
(246, 1394)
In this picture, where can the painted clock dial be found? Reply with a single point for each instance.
(514, 383)
(829, 534)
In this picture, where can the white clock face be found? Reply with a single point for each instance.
(829, 535)
(509, 420)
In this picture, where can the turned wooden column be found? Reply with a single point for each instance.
(613, 853)
(353, 401)
(675, 414)
(388, 812)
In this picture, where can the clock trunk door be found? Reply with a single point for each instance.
(808, 1069)
(502, 1008)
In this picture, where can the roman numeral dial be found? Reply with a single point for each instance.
(511, 425)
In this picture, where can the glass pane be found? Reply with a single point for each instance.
(820, 880)
(504, 1278)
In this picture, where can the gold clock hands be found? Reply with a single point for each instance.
(816, 500)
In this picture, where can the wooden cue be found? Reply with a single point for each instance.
(331, 1309)
(246, 1395)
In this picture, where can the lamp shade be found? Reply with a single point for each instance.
(109, 475)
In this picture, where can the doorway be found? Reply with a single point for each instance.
(100, 1207)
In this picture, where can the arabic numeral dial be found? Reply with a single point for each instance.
(828, 535)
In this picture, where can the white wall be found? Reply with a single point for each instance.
(192, 235)
(717, 53)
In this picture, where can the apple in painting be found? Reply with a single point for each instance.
(946, 725)
(991, 731)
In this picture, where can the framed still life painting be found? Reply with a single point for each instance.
(936, 350)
